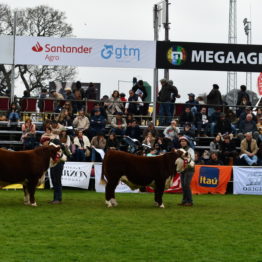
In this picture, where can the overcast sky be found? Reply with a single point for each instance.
(191, 20)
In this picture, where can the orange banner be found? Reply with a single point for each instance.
(210, 179)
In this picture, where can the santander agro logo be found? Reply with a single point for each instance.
(176, 55)
(56, 49)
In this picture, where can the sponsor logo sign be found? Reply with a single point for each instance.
(208, 56)
(85, 52)
(209, 177)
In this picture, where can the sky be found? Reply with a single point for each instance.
(191, 21)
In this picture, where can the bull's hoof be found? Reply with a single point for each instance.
(108, 203)
(33, 204)
(113, 202)
(162, 206)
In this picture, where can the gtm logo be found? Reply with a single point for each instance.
(176, 55)
(37, 48)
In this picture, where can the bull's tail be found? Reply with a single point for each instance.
(102, 180)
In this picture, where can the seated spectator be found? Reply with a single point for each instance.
(78, 103)
(133, 130)
(48, 133)
(192, 103)
(149, 140)
(114, 105)
(248, 110)
(81, 122)
(249, 150)
(186, 117)
(188, 132)
(199, 159)
(259, 128)
(112, 142)
(171, 132)
(259, 113)
(28, 134)
(231, 116)
(66, 142)
(228, 150)
(133, 104)
(68, 106)
(246, 126)
(164, 145)
(214, 161)
(242, 105)
(215, 145)
(97, 123)
(64, 118)
(223, 125)
(118, 124)
(13, 114)
(129, 119)
(56, 127)
(150, 128)
(97, 142)
(82, 146)
(202, 122)
(213, 120)
(98, 106)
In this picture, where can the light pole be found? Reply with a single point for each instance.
(247, 29)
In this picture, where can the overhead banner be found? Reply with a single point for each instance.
(209, 56)
(6, 50)
(259, 84)
(85, 52)
(247, 181)
(211, 179)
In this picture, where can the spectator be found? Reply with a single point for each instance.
(42, 96)
(58, 98)
(199, 159)
(243, 115)
(114, 105)
(140, 90)
(97, 123)
(259, 128)
(81, 122)
(214, 161)
(174, 96)
(66, 142)
(202, 121)
(97, 142)
(249, 150)
(215, 145)
(81, 147)
(28, 134)
(134, 104)
(78, 103)
(133, 130)
(243, 104)
(187, 116)
(129, 119)
(228, 150)
(78, 87)
(118, 124)
(101, 108)
(214, 98)
(13, 114)
(165, 97)
(200, 100)
(48, 133)
(213, 120)
(171, 132)
(70, 96)
(150, 128)
(193, 103)
(56, 127)
(242, 93)
(149, 140)
(64, 118)
(68, 106)
(223, 125)
(246, 126)
(112, 142)
(91, 92)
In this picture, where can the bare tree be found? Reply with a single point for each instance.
(38, 21)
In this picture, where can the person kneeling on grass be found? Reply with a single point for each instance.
(185, 166)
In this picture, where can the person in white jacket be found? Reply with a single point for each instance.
(82, 147)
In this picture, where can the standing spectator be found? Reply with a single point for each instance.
(28, 134)
(79, 103)
(97, 124)
(249, 150)
(97, 142)
(42, 96)
(118, 124)
(214, 99)
(123, 98)
(140, 90)
(56, 173)
(82, 147)
(114, 105)
(242, 93)
(78, 87)
(81, 122)
(91, 92)
(164, 97)
(174, 96)
(134, 104)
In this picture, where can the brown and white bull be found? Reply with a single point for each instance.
(27, 168)
(137, 171)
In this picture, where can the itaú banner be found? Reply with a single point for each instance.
(85, 52)
(208, 56)
(6, 50)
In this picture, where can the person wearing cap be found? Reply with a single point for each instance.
(187, 174)
(165, 99)
(214, 98)
(118, 124)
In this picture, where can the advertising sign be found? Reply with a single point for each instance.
(209, 56)
(85, 52)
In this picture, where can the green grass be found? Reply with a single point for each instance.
(218, 228)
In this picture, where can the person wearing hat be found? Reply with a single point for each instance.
(165, 99)
(187, 174)
(118, 124)
(214, 98)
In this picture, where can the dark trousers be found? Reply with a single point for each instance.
(186, 177)
(56, 174)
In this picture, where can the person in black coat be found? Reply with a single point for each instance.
(223, 125)
(228, 150)
(187, 116)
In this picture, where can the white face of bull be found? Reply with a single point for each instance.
(59, 157)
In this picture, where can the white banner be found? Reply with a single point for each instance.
(121, 188)
(247, 180)
(76, 174)
(85, 52)
(6, 50)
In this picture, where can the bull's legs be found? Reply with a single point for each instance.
(26, 194)
(31, 190)
(110, 193)
(159, 190)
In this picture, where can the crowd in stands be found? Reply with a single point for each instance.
(113, 124)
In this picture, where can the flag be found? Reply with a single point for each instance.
(259, 84)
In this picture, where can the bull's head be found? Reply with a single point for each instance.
(56, 154)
